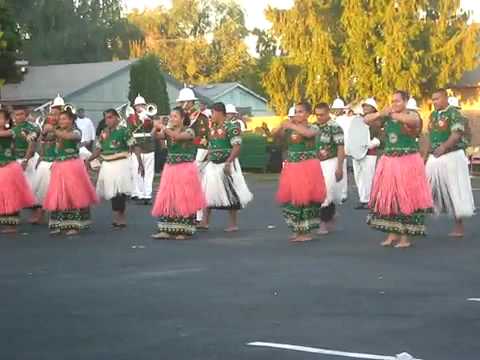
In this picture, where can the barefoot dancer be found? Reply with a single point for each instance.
(15, 192)
(223, 182)
(331, 152)
(180, 194)
(70, 192)
(301, 189)
(447, 166)
(400, 194)
(113, 182)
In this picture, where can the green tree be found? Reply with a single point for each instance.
(198, 41)
(70, 31)
(146, 78)
(356, 49)
(10, 44)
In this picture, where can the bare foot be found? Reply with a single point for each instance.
(9, 230)
(323, 230)
(55, 232)
(231, 229)
(403, 245)
(182, 237)
(302, 238)
(390, 240)
(161, 236)
(72, 232)
(456, 235)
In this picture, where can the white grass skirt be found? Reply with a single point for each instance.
(201, 160)
(335, 190)
(42, 179)
(449, 178)
(225, 192)
(30, 170)
(114, 179)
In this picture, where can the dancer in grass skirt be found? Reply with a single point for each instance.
(222, 180)
(113, 183)
(401, 195)
(70, 192)
(180, 193)
(331, 152)
(15, 192)
(301, 189)
(447, 165)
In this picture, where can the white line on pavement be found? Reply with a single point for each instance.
(403, 356)
(474, 299)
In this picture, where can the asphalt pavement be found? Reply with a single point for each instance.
(117, 294)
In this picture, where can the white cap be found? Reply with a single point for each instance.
(338, 104)
(186, 94)
(58, 102)
(291, 112)
(453, 101)
(371, 102)
(412, 104)
(231, 109)
(139, 100)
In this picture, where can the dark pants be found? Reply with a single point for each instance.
(119, 203)
(327, 213)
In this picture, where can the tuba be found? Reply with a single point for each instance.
(151, 110)
(70, 108)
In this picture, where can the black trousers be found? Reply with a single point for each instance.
(119, 203)
(327, 213)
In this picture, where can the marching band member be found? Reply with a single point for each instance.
(343, 119)
(331, 152)
(15, 192)
(401, 195)
(70, 192)
(232, 115)
(113, 145)
(223, 182)
(48, 143)
(301, 189)
(180, 194)
(141, 126)
(447, 165)
(199, 123)
(364, 169)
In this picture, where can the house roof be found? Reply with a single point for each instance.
(469, 79)
(43, 83)
(215, 91)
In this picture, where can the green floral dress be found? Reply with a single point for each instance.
(329, 139)
(179, 152)
(22, 132)
(72, 219)
(399, 141)
(301, 219)
(115, 144)
(443, 123)
(7, 156)
(221, 141)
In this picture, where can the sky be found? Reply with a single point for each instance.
(255, 16)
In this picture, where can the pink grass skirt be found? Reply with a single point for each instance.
(180, 193)
(15, 193)
(400, 186)
(70, 187)
(302, 183)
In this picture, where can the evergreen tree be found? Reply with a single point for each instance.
(146, 78)
(73, 31)
(10, 43)
(356, 49)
